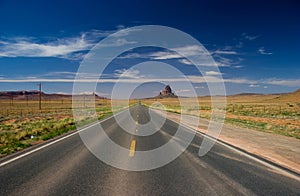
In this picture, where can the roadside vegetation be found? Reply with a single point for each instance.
(23, 124)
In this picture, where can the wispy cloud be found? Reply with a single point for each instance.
(189, 51)
(245, 37)
(254, 85)
(225, 61)
(224, 52)
(237, 66)
(185, 61)
(117, 42)
(60, 48)
(213, 73)
(59, 74)
(249, 37)
(186, 51)
(226, 56)
(125, 32)
(284, 82)
(262, 50)
(183, 51)
(128, 73)
(68, 47)
(164, 55)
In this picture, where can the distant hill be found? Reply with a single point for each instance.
(290, 97)
(265, 98)
(246, 94)
(18, 95)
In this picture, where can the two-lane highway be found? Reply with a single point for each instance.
(67, 167)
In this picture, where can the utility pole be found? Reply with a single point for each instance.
(12, 100)
(84, 101)
(40, 97)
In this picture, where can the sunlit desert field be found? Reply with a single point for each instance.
(278, 114)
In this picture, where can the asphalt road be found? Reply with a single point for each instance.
(69, 168)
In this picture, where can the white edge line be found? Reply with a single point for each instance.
(235, 149)
(57, 140)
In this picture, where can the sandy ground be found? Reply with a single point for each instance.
(279, 149)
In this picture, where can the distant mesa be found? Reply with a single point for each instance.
(167, 93)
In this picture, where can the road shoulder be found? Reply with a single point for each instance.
(278, 149)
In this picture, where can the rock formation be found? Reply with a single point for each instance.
(167, 92)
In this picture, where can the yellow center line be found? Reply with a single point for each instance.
(132, 148)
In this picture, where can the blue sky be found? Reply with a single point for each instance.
(256, 44)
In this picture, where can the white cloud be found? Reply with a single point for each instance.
(62, 93)
(254, 85)
(68, 47)
(72, 75)
(237, 66)
(240, 81)
(188, 51)
(58, 48)
(223, 61)
(262, 50)
(117, 42)
(185, 61)
(224, 52)
(87, 93)
(164, 55)
(132, 56)
(61, 73)
(212, 73)
(96, 33)
(250, 37)
(185, 51)
(284, 82)
(128, 73)
(120, 26)
(125, 32)
(199, 87)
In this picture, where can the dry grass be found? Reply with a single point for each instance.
(278, 114)
(23, 124)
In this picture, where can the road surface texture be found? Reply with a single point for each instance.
(68, 168)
